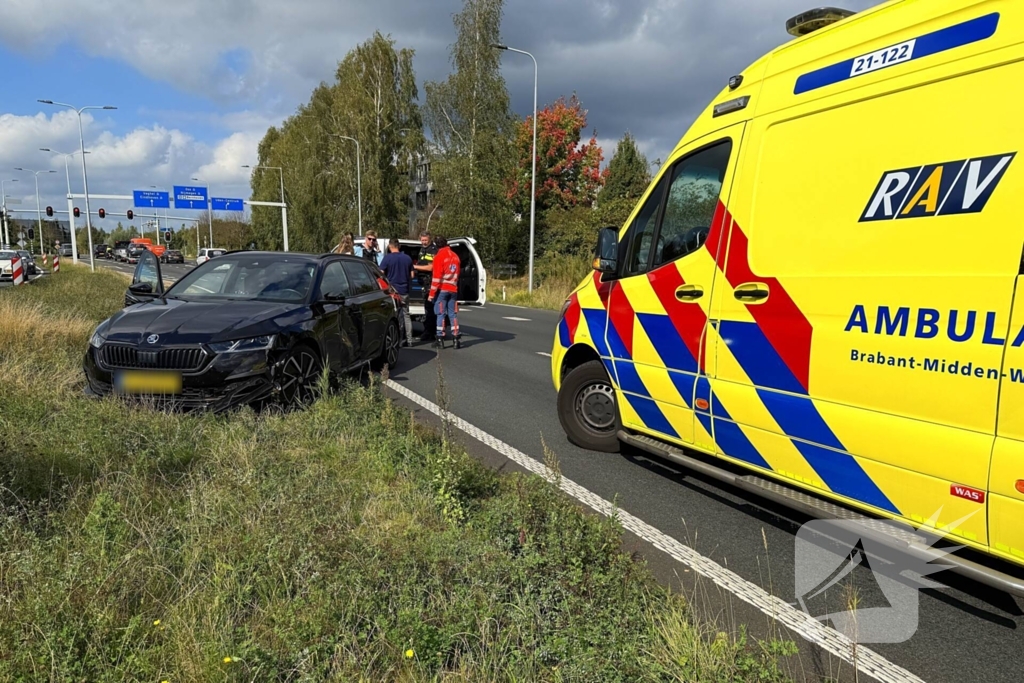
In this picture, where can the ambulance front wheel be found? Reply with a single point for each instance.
(587, 408)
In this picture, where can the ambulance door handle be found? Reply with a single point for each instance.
(751, 292)
(689, 292)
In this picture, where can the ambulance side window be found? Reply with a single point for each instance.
(691, 202)
(641, 233)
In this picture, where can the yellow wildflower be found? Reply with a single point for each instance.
(156, 623)
(409, 654)
(228, 660)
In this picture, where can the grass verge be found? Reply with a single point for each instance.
(555, 279)
(344, 542)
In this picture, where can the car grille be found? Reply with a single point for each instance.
(186, 359)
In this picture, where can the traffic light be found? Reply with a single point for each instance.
(49, 211)
(31, 233)
(131, 214)
(103, 213)
(78, 214)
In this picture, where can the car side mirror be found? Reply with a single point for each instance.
(607, 251)
(334, 297)
(141, 288)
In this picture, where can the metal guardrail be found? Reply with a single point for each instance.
(504, 271)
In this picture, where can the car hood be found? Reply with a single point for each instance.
(195, 322)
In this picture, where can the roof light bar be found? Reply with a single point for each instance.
(814, 19)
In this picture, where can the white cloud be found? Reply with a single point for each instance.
(117, 164)
(225, 167)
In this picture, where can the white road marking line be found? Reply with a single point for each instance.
(495, 303)
(519, 320)
(544, 353)
(867, 661)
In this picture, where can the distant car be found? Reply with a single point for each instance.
(99, 250)
(173, 256)
(65, 250)
(30, 263)
(206, 254)
(134, 252)
(6, 265)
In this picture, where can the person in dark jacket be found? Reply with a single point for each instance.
(370, 249)
(397, 268)
(425, 270)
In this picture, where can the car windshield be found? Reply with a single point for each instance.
(7, 254)
(251, 277)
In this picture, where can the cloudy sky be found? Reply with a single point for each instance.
(197, 82)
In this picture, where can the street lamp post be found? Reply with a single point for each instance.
(209, 193)
(71, 207)
(533, 177)
(284, 209)
(85, 175)
(429, 216)
(359, 182)
(3, 202)
(167, 221)
(39, 211)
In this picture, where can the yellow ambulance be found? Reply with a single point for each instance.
(823, 284)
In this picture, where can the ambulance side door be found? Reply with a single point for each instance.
(1006, 478)
(657, 307)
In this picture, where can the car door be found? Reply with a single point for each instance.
(657, 311)
(339, 313)
(472, 276)
(368, 299)
(147, 280)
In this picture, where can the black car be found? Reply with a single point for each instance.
(173, 256)
(242, 328)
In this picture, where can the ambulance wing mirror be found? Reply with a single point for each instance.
(607, 251)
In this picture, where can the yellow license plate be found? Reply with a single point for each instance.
(136, 382)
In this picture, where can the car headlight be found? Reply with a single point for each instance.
(239, 345)
(98, 337)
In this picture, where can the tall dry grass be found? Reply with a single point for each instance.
(316, 545)
(555, 278)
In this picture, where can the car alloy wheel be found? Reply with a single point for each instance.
(299, 374)
(389, 354)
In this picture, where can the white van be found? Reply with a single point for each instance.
(205, 254)
(472, 279)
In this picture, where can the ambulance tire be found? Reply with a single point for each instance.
(587, 408)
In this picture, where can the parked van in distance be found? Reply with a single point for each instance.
(823, 284)
(472, 278)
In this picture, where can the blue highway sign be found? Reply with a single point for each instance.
(189, 197)
(226, 204)
(152, 199)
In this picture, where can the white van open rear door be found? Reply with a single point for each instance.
(473, 277)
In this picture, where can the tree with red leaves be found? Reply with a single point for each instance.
(568, 173)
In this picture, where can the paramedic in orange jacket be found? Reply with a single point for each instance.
(444, 290)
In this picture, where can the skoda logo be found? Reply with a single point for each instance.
(153, 338)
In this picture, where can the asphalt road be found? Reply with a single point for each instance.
(500, 382)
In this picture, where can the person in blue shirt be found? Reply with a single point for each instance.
(397, 269)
